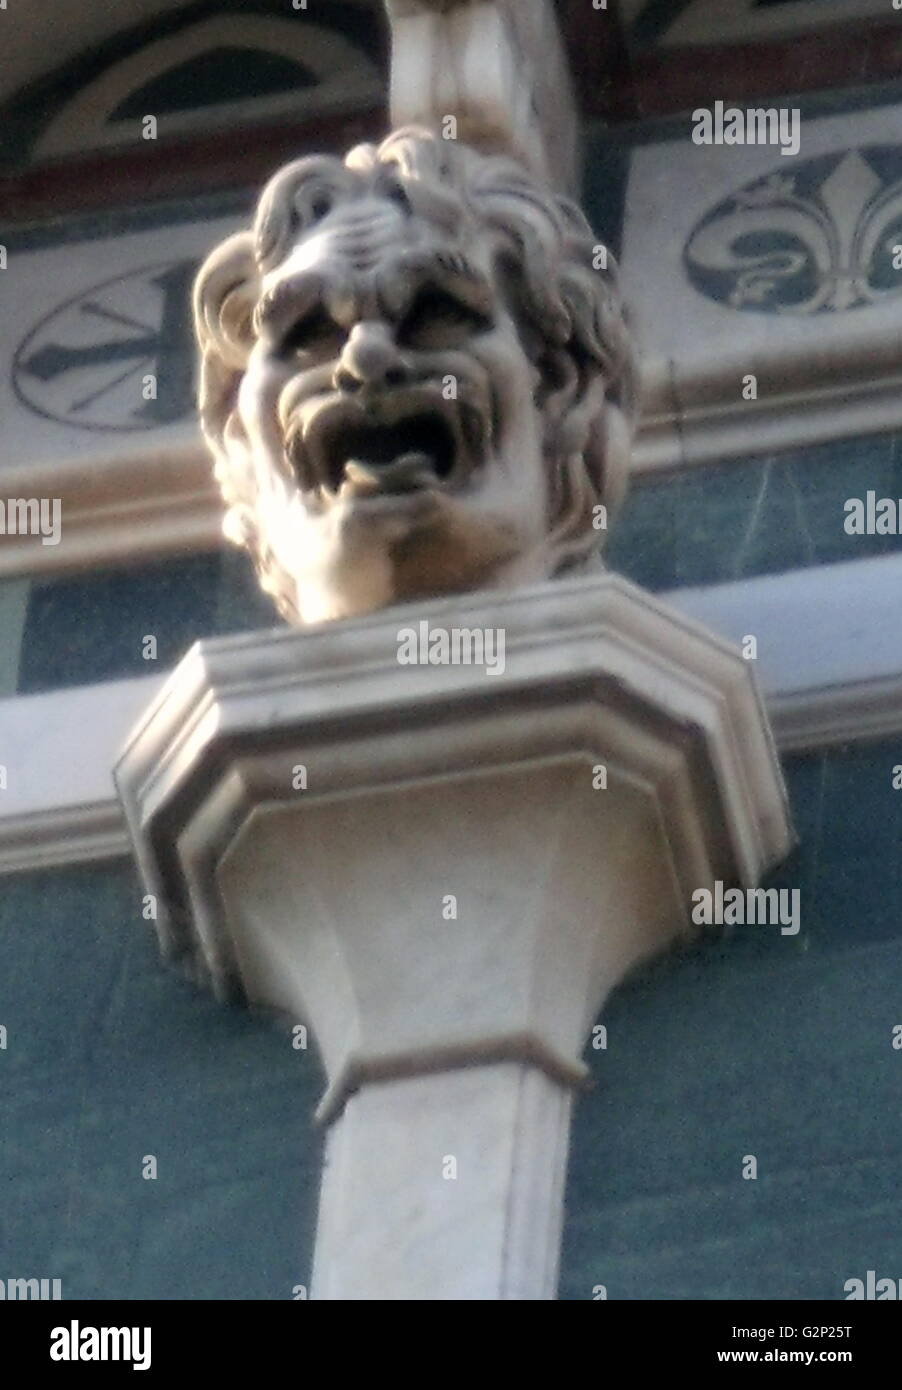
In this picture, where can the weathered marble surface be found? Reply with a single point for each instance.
(416, 379)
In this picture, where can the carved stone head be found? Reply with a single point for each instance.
(414, 379)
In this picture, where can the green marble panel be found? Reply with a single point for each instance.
(110, 1058)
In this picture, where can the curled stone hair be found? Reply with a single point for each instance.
(559, 284)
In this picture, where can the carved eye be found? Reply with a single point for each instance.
(316, 332)
(312, 202)
(437, 320)
(396, 194)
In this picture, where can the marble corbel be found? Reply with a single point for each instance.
(443, 871)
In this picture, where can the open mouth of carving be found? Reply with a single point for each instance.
(350, 453)
(421, 443)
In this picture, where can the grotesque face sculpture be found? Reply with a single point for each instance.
(414, 379)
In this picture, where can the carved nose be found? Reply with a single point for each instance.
(370, 358)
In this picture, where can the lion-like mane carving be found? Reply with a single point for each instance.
(416, 378)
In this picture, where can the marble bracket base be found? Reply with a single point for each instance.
(443, 871)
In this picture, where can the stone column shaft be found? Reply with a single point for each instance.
(465, 1169)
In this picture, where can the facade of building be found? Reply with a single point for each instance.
(742, 1135)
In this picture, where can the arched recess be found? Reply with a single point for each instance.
(333, 74)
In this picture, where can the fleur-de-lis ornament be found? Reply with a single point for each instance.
(827, 237)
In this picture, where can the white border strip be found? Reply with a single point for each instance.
(829, 651)
(59, 805)
(829, 662)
